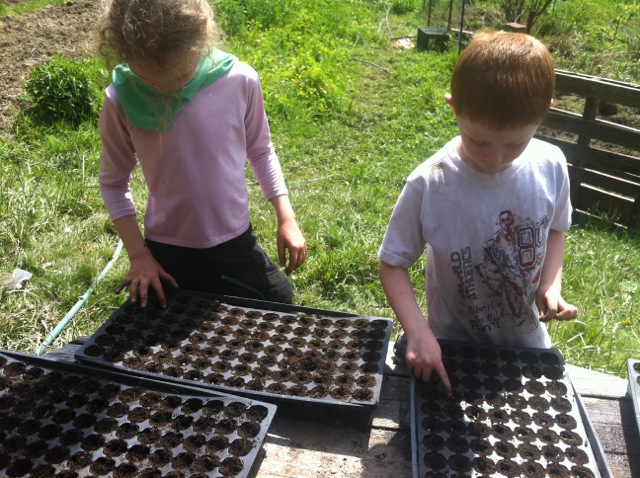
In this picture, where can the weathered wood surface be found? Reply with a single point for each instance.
(600, 88)
(593, 129)
(385, 451)
(603, 156)
(312, 449)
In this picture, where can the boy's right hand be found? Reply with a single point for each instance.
(424, 359)
(423, 356)
(145, 272)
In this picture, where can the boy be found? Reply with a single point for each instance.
(492, 207)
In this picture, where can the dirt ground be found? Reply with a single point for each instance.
(30, 39)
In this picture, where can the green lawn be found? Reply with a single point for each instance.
(351, 117)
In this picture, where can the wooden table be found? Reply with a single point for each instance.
(308, 449)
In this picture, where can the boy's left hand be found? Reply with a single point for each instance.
(551, 305)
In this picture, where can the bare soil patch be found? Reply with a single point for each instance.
(30, 39)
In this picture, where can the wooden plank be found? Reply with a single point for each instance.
(606, 182)
(620, 466)
(591, 383)
(300, 449)
(589, 198)
(393, 411)
(613, 91)
(594, 129)
(609, 415)
(597, 158)
(614, 423)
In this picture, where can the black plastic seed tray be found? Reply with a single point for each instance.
(67, 420)
(634, 386)
(313, 363)
(513, 413)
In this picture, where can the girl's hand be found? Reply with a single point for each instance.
(290, 238)
(145, 272)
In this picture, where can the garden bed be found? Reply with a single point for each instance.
(67, 420)
(513, 412)
(312, 363)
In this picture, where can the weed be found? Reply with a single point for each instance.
(62, 91)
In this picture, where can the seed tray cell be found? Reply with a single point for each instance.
(295, 357)
(67, 420)
(513, 413)
(633, 366)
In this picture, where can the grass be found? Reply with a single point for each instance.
(29, 6)
(350, 117)
(602, 277)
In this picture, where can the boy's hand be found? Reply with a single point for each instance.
(551, 305)
(424, 359)
(549, 299)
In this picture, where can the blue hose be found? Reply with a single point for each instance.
(67, 318)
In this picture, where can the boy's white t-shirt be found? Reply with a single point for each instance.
(486, 236)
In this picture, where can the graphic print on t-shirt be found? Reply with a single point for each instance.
(500, 284)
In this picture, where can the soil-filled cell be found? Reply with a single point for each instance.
(246, 349)
(511, 414)
(88, 426)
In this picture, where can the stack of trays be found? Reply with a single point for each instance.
(513, 413)
(634, 386)
(312, 363)
(66, 420)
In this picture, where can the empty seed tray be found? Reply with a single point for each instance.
(313, 363)
(67, 420)
(634, 386)
(513, 413)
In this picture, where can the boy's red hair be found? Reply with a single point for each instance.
(503, 80)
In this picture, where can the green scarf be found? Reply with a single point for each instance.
(147, 108)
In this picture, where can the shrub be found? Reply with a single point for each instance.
(234, 16)
(62, 91)
(400, 7)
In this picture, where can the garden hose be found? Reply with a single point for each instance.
(67, 318)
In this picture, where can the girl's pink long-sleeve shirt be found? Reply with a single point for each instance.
(195, 171)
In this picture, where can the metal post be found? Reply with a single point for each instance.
(461, 27)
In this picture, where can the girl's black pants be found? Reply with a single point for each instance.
(238, 267)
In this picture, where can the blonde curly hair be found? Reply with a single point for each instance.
(152, 30)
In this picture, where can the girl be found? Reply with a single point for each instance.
(192, 116)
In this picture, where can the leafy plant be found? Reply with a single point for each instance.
(62, 91)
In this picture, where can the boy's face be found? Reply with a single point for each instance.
(491, 151)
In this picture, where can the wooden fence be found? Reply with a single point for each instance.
(603, 156)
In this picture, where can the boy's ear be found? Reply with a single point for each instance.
(553, 103)
(449, 100)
